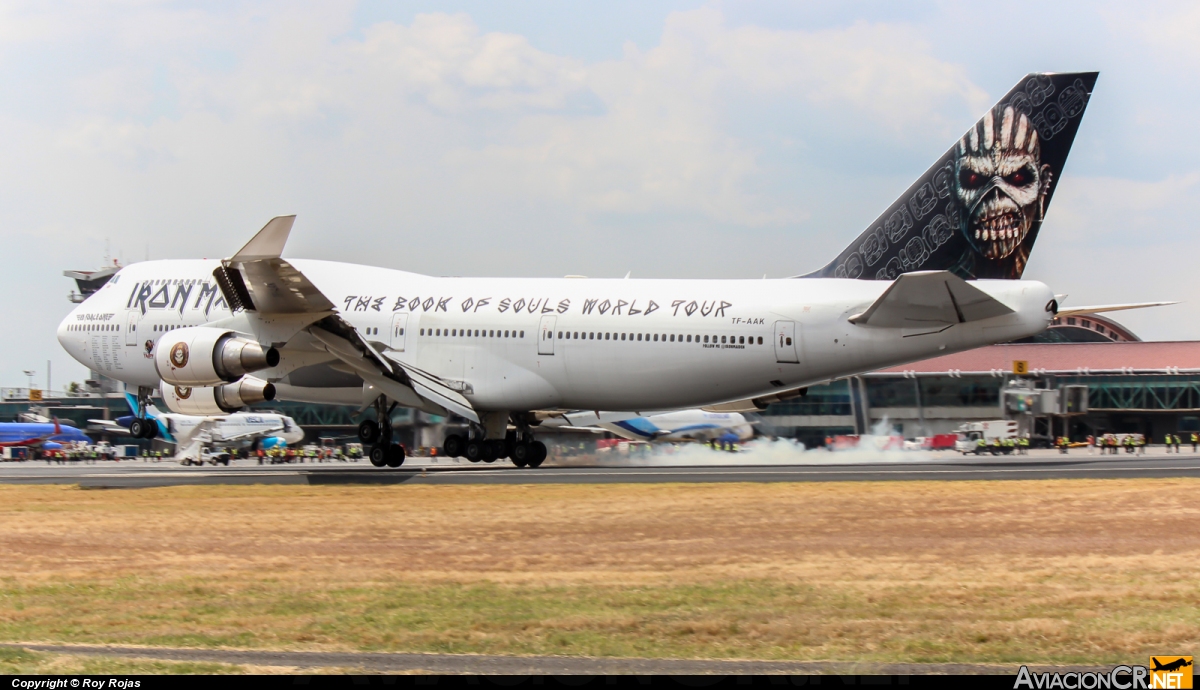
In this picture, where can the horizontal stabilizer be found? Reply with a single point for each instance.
(1076, 311)
(930, 299)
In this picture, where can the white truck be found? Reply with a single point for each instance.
(971, 433)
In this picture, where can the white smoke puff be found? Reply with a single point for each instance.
(873, 448)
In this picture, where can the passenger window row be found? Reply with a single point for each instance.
(94, 327)
(660, 337)
(470, 333)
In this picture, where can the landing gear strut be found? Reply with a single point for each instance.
(377, 434)
(142, 427)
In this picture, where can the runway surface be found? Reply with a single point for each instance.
(821, 467)
(392, 662)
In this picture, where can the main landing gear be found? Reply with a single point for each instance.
(518, 447)
(141, 427)
(377, 434)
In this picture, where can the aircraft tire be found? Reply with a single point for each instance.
(473, 451)
(378, 455)
(520, 454)
(489, 452)
(368, 431)
(395, 455)
(453, 447)
(500, 448)
(137, 428)
(538, 455)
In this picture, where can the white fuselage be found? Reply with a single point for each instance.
(242, 426)
(519, 344)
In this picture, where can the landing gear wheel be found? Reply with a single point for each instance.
(474, 451)
(453, 447)
(520, 454)
(395, 455)
(137, 428)
(368, 431)
(151, 431)
(501, 449)
(489, 452)
(378, 455)
(538, 455)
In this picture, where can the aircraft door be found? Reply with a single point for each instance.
(546, 336)
(785, 342)
(399, 326)
(131, 324)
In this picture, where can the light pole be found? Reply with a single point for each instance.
(30, 374)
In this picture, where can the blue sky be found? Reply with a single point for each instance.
(672, 139)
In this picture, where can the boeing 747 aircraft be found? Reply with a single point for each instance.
(938, 272)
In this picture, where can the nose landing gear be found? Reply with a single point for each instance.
(377, 434)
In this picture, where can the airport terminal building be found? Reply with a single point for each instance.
(1151, 388)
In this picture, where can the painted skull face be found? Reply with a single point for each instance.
(1000, 182)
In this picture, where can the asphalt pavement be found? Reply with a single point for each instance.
(394, 662)
(719, 467)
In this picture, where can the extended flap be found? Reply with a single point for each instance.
(257, 279)
(437, 391)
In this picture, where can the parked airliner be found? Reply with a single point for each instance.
(45, 436)
(938, 272)
(667, 427)
(190, 432)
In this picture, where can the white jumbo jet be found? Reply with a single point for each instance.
(938, 272)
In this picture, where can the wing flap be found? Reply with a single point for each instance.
(257, 279)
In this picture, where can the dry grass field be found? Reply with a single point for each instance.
(1048, 571)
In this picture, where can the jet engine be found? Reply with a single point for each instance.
(202, 356)
(210, 400)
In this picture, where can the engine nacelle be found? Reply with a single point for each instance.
(209, 400)
(202, 356)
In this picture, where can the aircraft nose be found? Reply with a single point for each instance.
(64, 331)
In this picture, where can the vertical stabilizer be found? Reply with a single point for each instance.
(978, 210)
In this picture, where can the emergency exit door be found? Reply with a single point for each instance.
(546, 336)
(785, 342)
(397, 336)
(131, 325)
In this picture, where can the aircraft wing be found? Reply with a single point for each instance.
(280, 302)
(925, 299)
(109, 426)
(257, 279)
